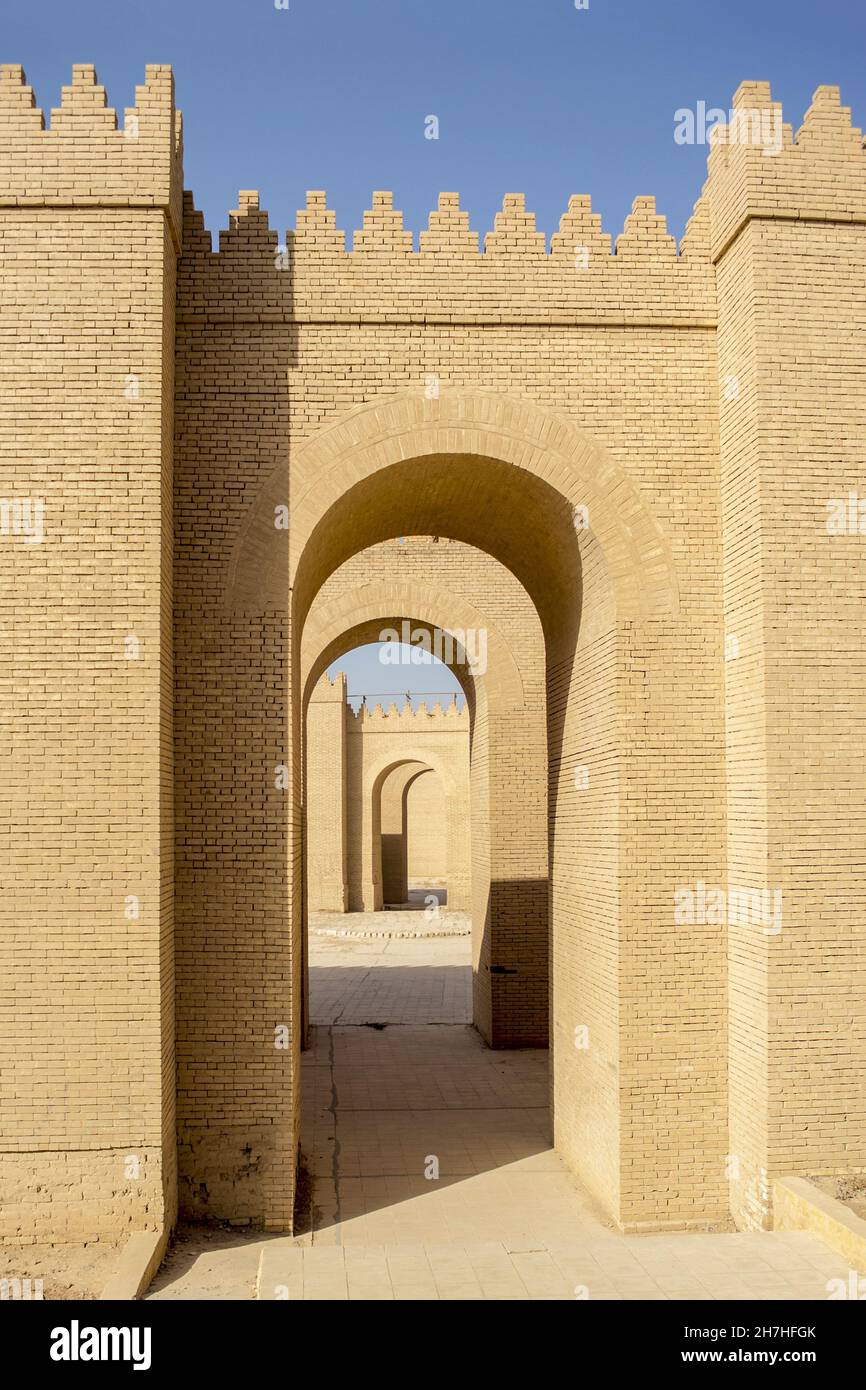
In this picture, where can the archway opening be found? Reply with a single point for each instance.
(526, 488)
(531, 529)
(465, 605)
(511, 1004)
(378, 720)
(413, 838)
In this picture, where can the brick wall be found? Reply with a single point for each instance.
(365, 831)
(790, 245)
(646, 441)
(426, 832)
(89, 233)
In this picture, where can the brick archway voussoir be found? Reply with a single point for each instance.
(387, 599)
(478, 423)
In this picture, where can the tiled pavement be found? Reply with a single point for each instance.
(390, 981)
(503, 1219)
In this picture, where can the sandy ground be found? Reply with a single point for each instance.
(851, 1191)
(66, 1271)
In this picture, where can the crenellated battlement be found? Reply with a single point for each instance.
(447, 717)
(83, 157)
(512, 276)
(448, 232)
(758, 168)
(311, 275)
(329, 692)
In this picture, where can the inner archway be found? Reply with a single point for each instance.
(435, 591)
(529, 527)
(529, 489)
(397, 826)
(447, 838)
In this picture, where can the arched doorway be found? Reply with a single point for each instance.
(506, 703)
(387, 785)
(394, 833)
(528, 488)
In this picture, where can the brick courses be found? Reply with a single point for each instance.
(702, 404)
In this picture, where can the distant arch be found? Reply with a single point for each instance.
(356, 446)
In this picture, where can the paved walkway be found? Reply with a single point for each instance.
(401, 980)
(429, 1173)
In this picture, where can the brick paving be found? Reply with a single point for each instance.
(390, 980)
(431, 1175)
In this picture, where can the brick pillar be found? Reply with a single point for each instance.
(789, 243)
(89, 232)
(326, 796)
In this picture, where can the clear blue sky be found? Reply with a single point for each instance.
(532, 96)
(368, 675)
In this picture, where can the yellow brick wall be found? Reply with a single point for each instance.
(789, 242)
(426, 832)
(89, 234)
(703, 405)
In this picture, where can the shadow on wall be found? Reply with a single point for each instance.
(513, 980)
(235, 855)
(418, 899)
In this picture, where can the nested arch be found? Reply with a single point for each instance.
(507, 737)
(446, 466)
(416, 758)
(524, 485)
(394, 829)
(358, 615)
(514, 479)
(335, 643)
(379, 768)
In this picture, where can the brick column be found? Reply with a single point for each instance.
(326, 796)
(789, 241)
(89, 233)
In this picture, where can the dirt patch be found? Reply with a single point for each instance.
(307, 1214)
(215, 1261)
(65, 1271)
(850, 1191)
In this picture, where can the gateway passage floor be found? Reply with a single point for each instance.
(384, 1105)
